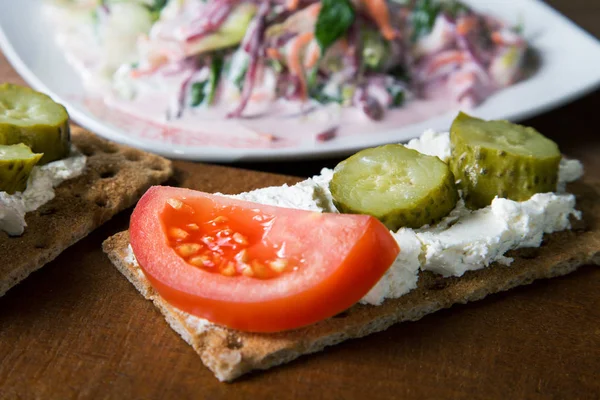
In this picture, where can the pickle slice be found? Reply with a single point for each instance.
(399, 186)
(16, 163)
(32, 118)
(499, 158)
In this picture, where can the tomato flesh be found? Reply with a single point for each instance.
(228, 240)
(253, 267)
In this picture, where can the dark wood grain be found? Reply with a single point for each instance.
(78, 329)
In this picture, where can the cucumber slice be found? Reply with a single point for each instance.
(399, 186)
(32, 118)
(229, 34)
(16, 163)
(499, 158)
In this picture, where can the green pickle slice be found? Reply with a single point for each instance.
(397, 185)
(32, 118)
(16, 163)
(499, 158)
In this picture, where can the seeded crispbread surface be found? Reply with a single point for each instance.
(230, 353)
(115, 177)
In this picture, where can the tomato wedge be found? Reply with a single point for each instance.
(254, 267)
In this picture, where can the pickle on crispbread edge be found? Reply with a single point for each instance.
(499, 158)
(397, 185)
(16, 163)
(34, 119)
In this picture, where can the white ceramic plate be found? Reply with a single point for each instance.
(569, 68)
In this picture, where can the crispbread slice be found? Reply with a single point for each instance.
(114, 179)
(229, 353)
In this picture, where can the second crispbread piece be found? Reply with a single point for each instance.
(115, 177)
(230, 353)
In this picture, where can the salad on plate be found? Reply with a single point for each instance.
(263, 73)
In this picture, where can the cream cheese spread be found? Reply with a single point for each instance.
(40, 190)
(463, 241)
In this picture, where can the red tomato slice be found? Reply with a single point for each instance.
(254, 267)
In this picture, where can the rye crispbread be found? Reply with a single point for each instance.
(229, 353)
(115, 177)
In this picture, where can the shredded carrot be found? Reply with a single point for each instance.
(512, 40)
(448, 57)
(465, 77)
(138, 73)
(267, 136)
(466, 25)
(273, 53)
(292, 4)
(497, 38)
(378, 10)
(314, 10)
(259, 96)
(313, 55)
(294, 61)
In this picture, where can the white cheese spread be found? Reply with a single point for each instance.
(40, 190)
(433, 144)
(463, 241)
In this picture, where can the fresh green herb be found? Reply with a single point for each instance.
(237, 75)
(198, 93)
(400, 73)
(203, 92)
(159, 4)
(425, 13)
(216, 66)
(324, 98)
(423, 17)
(398, 96)
(156, 7)
(317, 92)
(241, 76)
(334, 20)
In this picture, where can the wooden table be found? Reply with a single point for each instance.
(78, 329)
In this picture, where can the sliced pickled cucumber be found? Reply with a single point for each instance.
(32, 118)
(499, 158)
(16, 163)
(399, 186)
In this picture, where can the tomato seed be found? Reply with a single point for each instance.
(240, 239)
(192, 227)
(176, 204)
(188, 249)
(229, 270)
(178, 233)
(248, 272)
(260, 270)
(220, 219)
(242, 256)
(278, 265)
(200, 261)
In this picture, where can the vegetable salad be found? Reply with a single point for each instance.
(372, 55)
